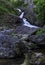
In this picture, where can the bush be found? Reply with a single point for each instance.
(40, 9)
(41, 31)
(17, 3)
(7, 6)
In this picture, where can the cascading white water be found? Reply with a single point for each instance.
(21, 16)
(26, 23)
(19, 10)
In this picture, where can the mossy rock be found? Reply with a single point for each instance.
(40, 31)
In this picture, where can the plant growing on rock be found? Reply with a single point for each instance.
(41, 31)
(9, 6)
(40, 10)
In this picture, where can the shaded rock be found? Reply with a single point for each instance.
(38, 39)
(37, 59)
(7, 32)
(11, 20)
(25, 30)
(30, 46)
(7, 46)
(12, 47)
(44, 26)
(21, 47)
(11, 61)
(30, 16)
(42, 63)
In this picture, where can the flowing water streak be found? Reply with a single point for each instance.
(19, 10)
(21, 16)
(26, 23)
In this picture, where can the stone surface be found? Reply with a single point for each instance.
(25, 30)
(11, 20)
(17, 46)
(7, 32)
(39, 59)
(44, 26)
(7, 46)
(38, 39)
(12, 47)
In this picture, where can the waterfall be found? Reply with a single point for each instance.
(26, 23)
(21, 16)
(19, 10)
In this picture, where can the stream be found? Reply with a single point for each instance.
(26, 23)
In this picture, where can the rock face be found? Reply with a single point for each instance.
(38, 39)
(11, 47)
(31, 16)
(7, 46)
(25, 30)
(15, 46)
(39, 59)
(7, 32)
(11, 20)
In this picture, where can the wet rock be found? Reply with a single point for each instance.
(37, 59)
(42, 64)
(31, 16)
(44, 26)
(11, 20)
(25, 30)
(38, 39)
(7, 46)
(21, 47)
(25, 40)
(7, 32)
(12, 47)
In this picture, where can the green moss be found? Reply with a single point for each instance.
(25, 5)
(12, 34)
(40, 9)
(7, 6)
(41, 31)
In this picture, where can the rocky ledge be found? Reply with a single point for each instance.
(16, 46)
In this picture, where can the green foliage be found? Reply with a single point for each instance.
(7, 6)
(12, 34)
(17, 3)
(25, 4)
(41, 31)
(40, 9)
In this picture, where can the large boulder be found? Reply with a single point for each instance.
(11, 20)
(7, 46)
(39, 59)
(25, 30)
(38, 39)
(12, 46)
(7, 32)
